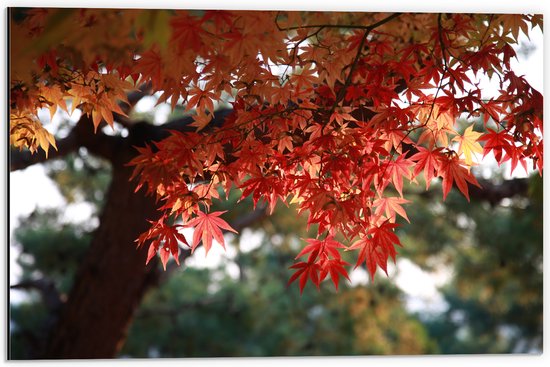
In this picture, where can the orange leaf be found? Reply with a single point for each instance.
(209, 227)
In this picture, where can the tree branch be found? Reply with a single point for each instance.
(21, 159)
(81, 135)
(495, 193)
(133, 98)
(251, 218)
(343, 26)
(492, 192)
(49, 293)
(368, 29)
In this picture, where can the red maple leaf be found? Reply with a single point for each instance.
(390, 206)
(497, 142)
(371, 254)
(374, 251)
(427, 160)
(187, 32)
(324, 259)
(207, 227)
(394, 170)
(315, 247)
(268, 187)
(334, 267)
(166, 238)
(150, 65)
(451, 171)
(354, 92)
(220, 18)
(305, 270)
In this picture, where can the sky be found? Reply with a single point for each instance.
(24, 196)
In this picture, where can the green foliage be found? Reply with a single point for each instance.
(50, 247)
(50, 253)
(495, 298)
(200, 313)
(28, 329)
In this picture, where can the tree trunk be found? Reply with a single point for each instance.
(112, 279)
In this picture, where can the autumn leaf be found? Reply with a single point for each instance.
(376, 249)
(315, 247)
(326, 118)
(341, 117)
(498, 142)
(201, 120)
(55, 98)
(390, 206)
(305, 271)
(335, 268)
(208, 227)
(383, 235)
(44, 139)
(165, 240)
(394, 170)
(270, 188)
(369, 253)
(201, 100)
(453, 171)
(149, 65)
(428, 162)
(304, 79)
(439, 124)
(29, 132)
(514, 23)
(187, 31)
(467, 144)
(354, 92)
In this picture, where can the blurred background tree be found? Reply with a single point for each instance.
(494, 298)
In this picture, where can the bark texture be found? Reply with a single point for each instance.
(111, 281)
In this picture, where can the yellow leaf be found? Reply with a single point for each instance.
(96, 118)
(296, 199)
(54, 98)
(468, 144)
(28, 132)
(44, 139)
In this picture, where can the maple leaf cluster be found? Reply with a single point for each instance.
(332, 112)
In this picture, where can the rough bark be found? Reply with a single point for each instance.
(111, 281)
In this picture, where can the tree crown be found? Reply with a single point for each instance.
(330, 111)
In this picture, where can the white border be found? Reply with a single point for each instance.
(492, 6)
